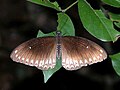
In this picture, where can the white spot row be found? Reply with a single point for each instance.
(73, 64)
(101, 50)
(69, 63)
(50, 63)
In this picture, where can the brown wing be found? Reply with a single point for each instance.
(78, 52)
(39, 52)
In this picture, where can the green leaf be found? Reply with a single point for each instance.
(41, 34)
(48, 73)
(114, 17)
(96, 23)
(114, 3)
(47, 3)
(65, 25)
(116, 62)
(117, 24)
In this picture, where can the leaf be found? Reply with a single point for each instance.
(116, 62)
(114, 3)
(47, 3)
(96, 23)
(114, 17)
(41, 34)
(117, 24)
(48, 73)
(65, 25)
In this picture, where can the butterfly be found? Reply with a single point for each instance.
(74, 52)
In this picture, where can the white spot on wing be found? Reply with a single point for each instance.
(53, 60)
(16, 51)
(41, 63)
(36, 63)
(30, 47)
(101, 55)
(16, 55)
(71, 62)
(27, 60)
(46, 62)
(87, 47)
(101, 51)
(67, 61)
(76, 63)
(45, 67)
(81, 62)
(67, 66)
(50, 61)
(94, 58)
(86, 61)
(72, 66)
(31, 63)
(63, 60)
(19, 57)
(23, 58)
(98, 57)
(90, 60)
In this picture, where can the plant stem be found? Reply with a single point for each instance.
(64, 10)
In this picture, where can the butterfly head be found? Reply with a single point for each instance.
(58, 33)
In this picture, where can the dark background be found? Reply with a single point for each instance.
(20, 21)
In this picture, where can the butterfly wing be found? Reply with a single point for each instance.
(39, 52)
(78, 52)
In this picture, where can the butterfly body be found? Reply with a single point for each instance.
(58, 46)
(75, 52)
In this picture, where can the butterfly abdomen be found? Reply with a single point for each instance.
(58, 46)
(58, 51)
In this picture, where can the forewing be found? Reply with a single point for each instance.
(78, 52)
(39, 52)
